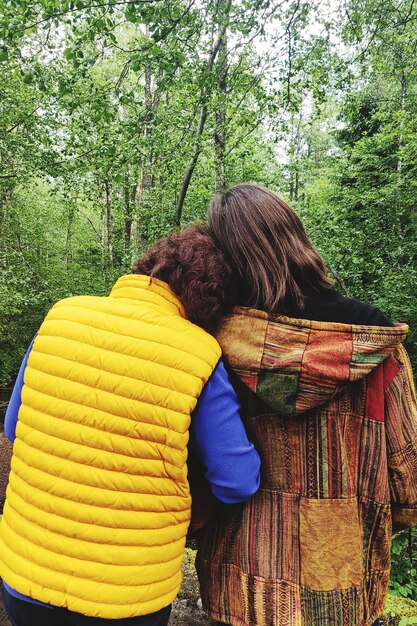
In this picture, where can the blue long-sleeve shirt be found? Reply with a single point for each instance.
(217, 434)
(15, 401)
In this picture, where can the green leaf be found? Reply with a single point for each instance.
(131, 15)
(407, 621)
(28, 78)
(69, 54)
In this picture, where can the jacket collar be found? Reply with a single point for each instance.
(145, 289)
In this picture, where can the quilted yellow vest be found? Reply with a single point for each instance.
(98, 502)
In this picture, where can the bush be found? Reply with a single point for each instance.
(399, 612)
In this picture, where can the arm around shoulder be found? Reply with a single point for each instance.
(232, 464)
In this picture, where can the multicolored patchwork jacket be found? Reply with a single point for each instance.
(332, 410)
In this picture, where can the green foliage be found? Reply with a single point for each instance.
(399, 611)
(100, 106)
(403, 582)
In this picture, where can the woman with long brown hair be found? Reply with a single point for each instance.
(328, 399)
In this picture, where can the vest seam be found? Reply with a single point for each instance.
(159, 306)
(124, 317)
(163, 291)
(15, 493)
(54, 456)
(135, 421)
(176, 315)
(82, 578)
(112, 393)
(129, 456)
(137, 303)
(113, 352)
(123, 545)
(97, 543)
(83, 484)
(95, 506)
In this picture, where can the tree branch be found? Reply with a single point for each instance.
(77, 10)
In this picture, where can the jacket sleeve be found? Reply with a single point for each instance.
(218, 436)
(401, 433)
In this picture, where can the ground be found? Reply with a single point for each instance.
(3, 619)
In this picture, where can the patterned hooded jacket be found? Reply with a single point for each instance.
(332, 411)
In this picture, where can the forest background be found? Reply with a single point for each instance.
(120, 119)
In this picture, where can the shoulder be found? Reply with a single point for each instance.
(331, 306)
(358, 312)
(79, 301)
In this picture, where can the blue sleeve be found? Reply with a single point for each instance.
(218, 436)
(15, 401)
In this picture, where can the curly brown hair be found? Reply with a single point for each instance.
(196, 271)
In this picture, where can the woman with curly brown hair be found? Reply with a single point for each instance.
(328, 398)
(98, 502)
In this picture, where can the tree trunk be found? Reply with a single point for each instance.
(4, 229)
(401, 136)
(109, 223)
(223, 9)
(295, 154)
(145, 176)
(193, 163)
(400, 144)
(128, 217)
(205, 94)
(67, 252)
(103, 239)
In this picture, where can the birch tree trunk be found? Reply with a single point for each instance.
(102, 236)
(68, 237)
(401, 136)
(403, 81)
(223, 10)
(145, 181)
(109, 223)
(128, 215)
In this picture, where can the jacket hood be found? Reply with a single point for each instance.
(295, 365)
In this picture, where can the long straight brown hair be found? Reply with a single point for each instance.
(266, 244)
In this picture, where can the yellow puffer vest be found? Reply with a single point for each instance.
(98, 502)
